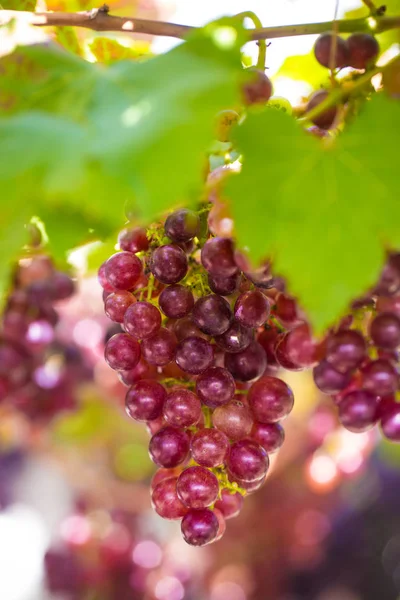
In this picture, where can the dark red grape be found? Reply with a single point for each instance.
(61, 286)
(247, 365)
(358, 410)
(197, 487)
(385, 331)
(389, 304)
(270, 399)
(247, 461)
(390, 423)
(252, 309)
(168, 264)
(185, 328)
(165, 500)
(282, 354)
(234, 420)
(182, 225)
(235, 339)
(268, 340)
(212, 314)
(215, 387)
(182, 408)
(116, 305)
(169, 447)
(224, 286)
(345, 350)
(194, 355)
(328, 380)
(122, 270)
(142, 371)
(142, 320)
(323, 49)
(380, 377)
(209, 447)
(145, 400)
(199, 527)
(258, 90)
(122, 352)
(268, 435)
(230, 504)
(160, 348)
(217, 257)
(301, 349)
(389, 280)
(363, 50)
(286, 311)
(176, 301)
(325, 119)
(133, 240)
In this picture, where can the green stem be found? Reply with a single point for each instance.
(262, 46)
(150, 287)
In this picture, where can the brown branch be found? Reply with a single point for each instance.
(100, 20)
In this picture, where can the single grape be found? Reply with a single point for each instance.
(122, 270)
(268, 435)
(323, 49)
(133, 240)
(358, 410)
(122, 352)
(328, 380)
(169, 447)
(258, 90)
(182, 408)
(162, 474)
(379, 377)
(116, 305)
(176, 301)
(182, 225)
(325, 119)
(234, 420)
(142, 320)
(282, 354)
(184, 328)
(165, 500)
(217, 257)
(145, 400)
(168, 264)
(363, 50)
(61, 286)
(160, 348)
(389, 280)
(235, 339)
(268, 340)
(194, 355)
(247, 461)
(286, 311)
(270, 399)
(199, 527)
(209, 447)
(390, 423)
(252, 309)
(212, 314)
(345, 350)
(230, 504)
(301, 349)
(197, 487)
(224, 286)
(215, 387)
(385, 331)
(247, 365)
(226, 119)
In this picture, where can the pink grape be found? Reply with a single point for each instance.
(230, 504)
(270, 399)
(197, 487)
(215, 387)
(252, 309)
(358, 410)
(160, 348)
(122, 352)
(169, 447)
(182, 408)
(234, 420)
(145, 400)
(166, 501)
(268, 435)
(122, 270)
(199, 527)
(209, 447)
(116, 305)
(247, 461)
(142, 320)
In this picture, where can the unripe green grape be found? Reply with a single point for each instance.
(281, 104)
(226, 119)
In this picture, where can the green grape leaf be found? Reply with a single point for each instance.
(68, 38)
(108, 51)
(28, 5)
(303, 67)
(323, 212)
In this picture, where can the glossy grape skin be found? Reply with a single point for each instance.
(116, 305)
(215, 387)
(165, 500)
(258, 90)
(199, 527)
(212, 314)
(322, 51)
(301, 349)
(234, 420)
(385, 331)
(282, 354)
(270, 399)
(286, 311)
(176, 301)
(363, 50)
(145, 400)
(142, 371)
(358, 411)
(194, 355)
(235, 339)
(182, 408)
(217, 257)
(389, 280)
(168, 264)
(122, 270)
(325, 119)
(247, 461)
(103, 281)
(252, 309)
(159, 350)
(345, 350)
(329, 380)
(184, 328)
(221, 523)
(224, 286)
(230, 504)
(197, 487)
(142, 320)
(133, 240)
(251, 486)
(268, 340)
(161, 474)
(209, 447)
(182, 225)
(122, 352)
(390, 423)
(247, 365)
(169, 447)
(269, 436)
(380, 377)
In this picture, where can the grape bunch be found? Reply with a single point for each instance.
(196, 347)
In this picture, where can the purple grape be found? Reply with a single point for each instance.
(182, 225)
(116, 305)
(323, 49)
(165, 500)
(212, 314)
(162, 474)
(235, 339)
(300, 347)
(145, 400)
(363, 50)
(199, 527)
(389, 281)
(176, 301)
(358, 410)
(252, 309)
(194, 355)
(182, 408)
(122, 352)
(286, 311)
(345, 350)
(197, 487)
(247, 365)
(385, 331)
(234, 420)
(230, 504)
(390, 423)
(122, 270)
(270, 399)
(185, 328)
(282, 353)
(168, 264)
(250, 486)
(258, 90)
(159, 350)
(133, 240)
(325, 119)
(102, 279)
(209, 447)
(142, 320)
(217, 257)
(328, 380)
(268, 435)
(224, 286)
(61, 286)
(379, 377)
(215, 387)
(247, 461)
(169, 447)
(268, 340)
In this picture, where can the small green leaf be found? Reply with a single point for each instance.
(28, 5)
(303, 67)
(68, 38)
